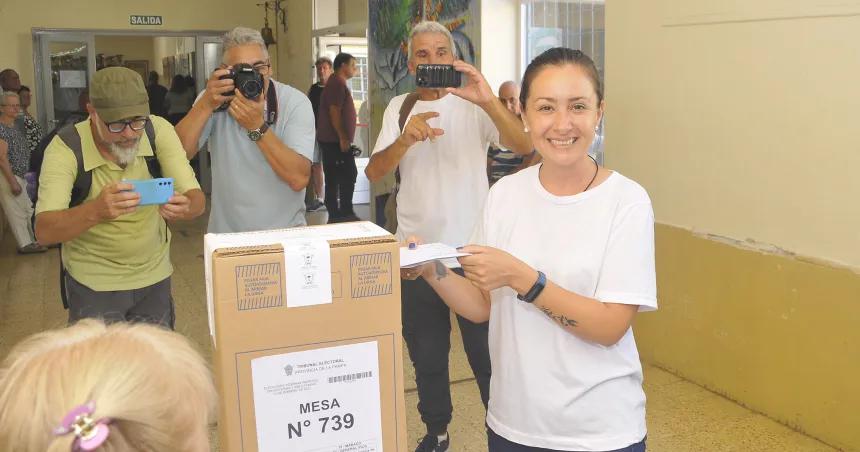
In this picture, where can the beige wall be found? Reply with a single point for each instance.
(740, 118)
(353, 11)
(326, 14)
(498, 50)
(295, 56)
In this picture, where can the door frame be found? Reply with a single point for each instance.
(42, 66)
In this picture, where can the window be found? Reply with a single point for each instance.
(577, 24)
(358, 84)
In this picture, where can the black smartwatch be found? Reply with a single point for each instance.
(256, 134)
(536, 289)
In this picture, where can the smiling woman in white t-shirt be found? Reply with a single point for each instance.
(563, 259)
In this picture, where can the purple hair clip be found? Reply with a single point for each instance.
(89, 433)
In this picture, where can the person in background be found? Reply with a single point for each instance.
(10, 80)
(261, 149)
(97, 387)
(156, 94)
(441, 153)
(33, 133)
(314, 191)
(335, 133)
(500, 161)
(14, 165)
(560, 263)
(178, 100)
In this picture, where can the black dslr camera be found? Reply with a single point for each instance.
(246, 79)
(354, 150)
(437, 76)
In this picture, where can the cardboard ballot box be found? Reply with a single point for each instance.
(306, 330)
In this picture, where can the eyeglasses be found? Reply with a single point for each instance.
(135, 124)
(262, 67)
(11, 105)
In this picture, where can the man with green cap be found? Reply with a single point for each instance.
(116, 254)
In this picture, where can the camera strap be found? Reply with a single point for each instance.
(405, 109)
(271, 104)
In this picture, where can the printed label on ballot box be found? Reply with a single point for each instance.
(323, 400)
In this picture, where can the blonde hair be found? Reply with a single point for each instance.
(156, 389)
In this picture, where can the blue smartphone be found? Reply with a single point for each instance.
(153, 191)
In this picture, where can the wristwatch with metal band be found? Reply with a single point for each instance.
(536, 289)
(256, 134)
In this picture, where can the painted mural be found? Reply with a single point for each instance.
(390, 23)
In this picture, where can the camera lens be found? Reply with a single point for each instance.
(251, 89)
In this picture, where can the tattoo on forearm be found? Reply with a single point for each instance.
(441, 270)
(560, 319)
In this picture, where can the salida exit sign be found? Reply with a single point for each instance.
(146, 20)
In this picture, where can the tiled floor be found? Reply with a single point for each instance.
(681, 416)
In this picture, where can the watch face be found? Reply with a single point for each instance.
(255, 135)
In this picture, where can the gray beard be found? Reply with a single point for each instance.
(124, 156)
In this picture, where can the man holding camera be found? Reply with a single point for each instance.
(261, 137)
(115, 253)
(335, 133)
(441, 155)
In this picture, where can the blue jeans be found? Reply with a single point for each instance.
(496, 443)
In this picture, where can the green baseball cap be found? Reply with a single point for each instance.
(118, 93)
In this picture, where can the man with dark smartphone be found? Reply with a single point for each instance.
(436, 139)
(261, 139)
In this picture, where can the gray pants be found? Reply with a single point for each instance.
(151, 304)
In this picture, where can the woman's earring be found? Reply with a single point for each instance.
(526, 129)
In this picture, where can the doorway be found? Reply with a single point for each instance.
(330, 46)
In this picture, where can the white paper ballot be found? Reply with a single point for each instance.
(426, 253)
(323, 400)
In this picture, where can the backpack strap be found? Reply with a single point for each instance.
(405, 109)
(152, 162)
(80, 189)
(83, 179)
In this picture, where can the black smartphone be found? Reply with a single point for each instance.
(437, 76)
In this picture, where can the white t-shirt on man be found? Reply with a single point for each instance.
(549, 388)
(443, 183)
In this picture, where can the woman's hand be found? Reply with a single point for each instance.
(491, 268)
(413, 273)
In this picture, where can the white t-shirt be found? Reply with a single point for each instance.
(443, 183)
(549, 388)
